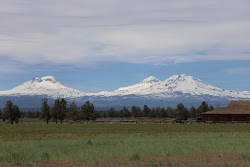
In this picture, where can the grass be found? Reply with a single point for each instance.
(138, 144)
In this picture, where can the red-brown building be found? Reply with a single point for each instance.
(236, 111)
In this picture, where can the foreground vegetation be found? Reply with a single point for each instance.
(125, 144)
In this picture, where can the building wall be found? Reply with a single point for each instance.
(225, 118)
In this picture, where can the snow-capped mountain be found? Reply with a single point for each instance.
(176, 86)
(180, 88)
(140, 88)
(47, 85)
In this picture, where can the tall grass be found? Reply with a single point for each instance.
(102, 143)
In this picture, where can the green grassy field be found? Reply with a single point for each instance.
(125, 144)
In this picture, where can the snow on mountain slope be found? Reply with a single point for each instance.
(144, 85)
(176, 86)
(47, 85)
(173, 87)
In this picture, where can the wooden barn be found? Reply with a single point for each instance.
(236, 111)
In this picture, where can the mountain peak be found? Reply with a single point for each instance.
(48, 78)
(47, 85)
(150, 79)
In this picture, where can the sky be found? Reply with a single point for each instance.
(96, 45)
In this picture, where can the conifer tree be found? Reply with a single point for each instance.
(63, 111)
(17, 113)
(9, 112)
(170, 112)
(45, 111)
(202, 108)
(56, 110)
(111, 113)
(163, 113)
(1, 114)
(146, 111)
(126, 112)
(181, 113)
(88, 111)
(211, 107)
(152, 113)
(72, 113)
(192, 112)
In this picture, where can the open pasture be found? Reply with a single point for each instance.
(35, 144)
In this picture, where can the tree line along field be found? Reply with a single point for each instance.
(36, 144)
(61, 111)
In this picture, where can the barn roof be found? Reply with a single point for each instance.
(234, 107)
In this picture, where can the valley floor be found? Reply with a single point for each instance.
(38, 144)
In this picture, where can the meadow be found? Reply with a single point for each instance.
(38, 144)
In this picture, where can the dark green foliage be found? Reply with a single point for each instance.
(11, 113)
(126, 112)
(211, 107)
(181, 113)
(202, 108)
(170, 112)
(192, 112)
(146, 110)
(152, 113)
(73, 113)
(163, 113)
(88, 112)
(63, 111)
(56, 110)
(45, 111)
(1, 114)
(31, 114)
(17, 113)
(136, 111)
(111, 113)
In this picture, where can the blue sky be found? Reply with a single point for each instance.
(95, 45)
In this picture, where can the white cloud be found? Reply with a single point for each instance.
(140, 31)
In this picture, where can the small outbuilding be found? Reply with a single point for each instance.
(236, 111)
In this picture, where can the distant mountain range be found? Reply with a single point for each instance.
(180, 88)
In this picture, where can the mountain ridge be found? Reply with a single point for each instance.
(172, 87)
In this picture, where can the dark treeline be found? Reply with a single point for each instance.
(61, 110)
(179, 113)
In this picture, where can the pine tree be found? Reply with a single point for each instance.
(9, 112)
(17, 113)
(192, 112)
(72, 113)
(139, 111)
(152, 113)
(88, 112)
(45, 111)
(202, 108)
(211, 107)
(1, 114)
(111, 113)
(126, 112)
(163, 113)
(56, 110)
(63, 111)
(146, 111)
(181, 113)
(170, 112)
(158, 112)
